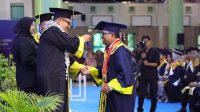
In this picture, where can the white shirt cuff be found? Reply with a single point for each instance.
(110, 87)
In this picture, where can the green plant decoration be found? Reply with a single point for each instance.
(19, 101)
(7, 73)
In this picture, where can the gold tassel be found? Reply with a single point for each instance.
(102, 103)
(184, 89)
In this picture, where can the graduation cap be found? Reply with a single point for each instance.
(178, 52)
(65, 13)
(45, 17)
(162, 52)
(185, 51)
(110, 27)
(168, 52)
(193, 49)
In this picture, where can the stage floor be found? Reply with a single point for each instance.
(92, 100)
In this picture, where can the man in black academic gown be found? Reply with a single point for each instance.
(53, 60)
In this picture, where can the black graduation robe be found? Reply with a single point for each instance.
(189, 73)
(174, 92)
(162, 69)
(51, 68)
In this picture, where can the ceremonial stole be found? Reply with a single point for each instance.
(176, 63)
(193, 64)
(162, 63)
(107, 53)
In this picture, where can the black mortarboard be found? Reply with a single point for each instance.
(65, 13)
(111, 27)
(45, 17)
(178, 52)
(185, 51)
(162, 52)
(193, 49)
(168, 52)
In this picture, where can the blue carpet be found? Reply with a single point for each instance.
(92, 100)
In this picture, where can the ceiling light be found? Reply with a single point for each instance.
(124, 2)
(66, 2)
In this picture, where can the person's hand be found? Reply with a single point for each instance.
(87, 37)
(143, 55)
(145, 62)
(198, 74)
(165, 77)
(193, 84)
(105, 88)
(85, 70)
(184, 76)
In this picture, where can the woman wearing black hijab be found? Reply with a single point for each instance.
(25, 55)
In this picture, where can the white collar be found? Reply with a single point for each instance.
(53, 23)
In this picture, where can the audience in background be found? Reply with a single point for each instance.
(90, 59)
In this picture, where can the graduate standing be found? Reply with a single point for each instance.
(53, 60)
(117, 93)
(24, 52)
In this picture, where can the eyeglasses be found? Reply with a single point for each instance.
(68, 22)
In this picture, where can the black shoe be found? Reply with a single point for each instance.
(182, 110)
(191, 110)
(140, 110)
(152, 110)
(164, 100)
